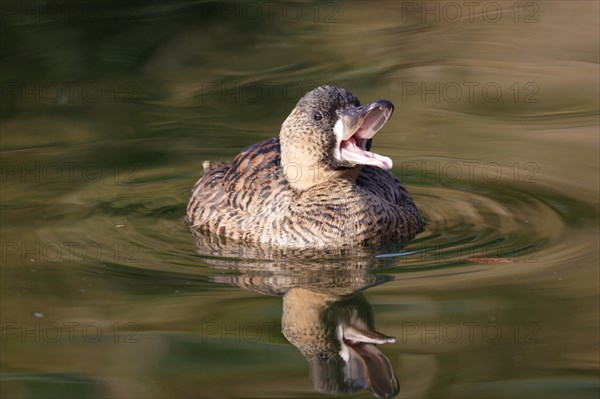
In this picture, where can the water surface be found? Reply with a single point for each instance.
(109, 110)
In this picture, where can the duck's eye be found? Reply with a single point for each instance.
(318, 115)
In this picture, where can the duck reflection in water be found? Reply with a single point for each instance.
(325, 314)
(336, 334)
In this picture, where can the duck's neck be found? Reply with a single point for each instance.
(302, 153)
(304, 175)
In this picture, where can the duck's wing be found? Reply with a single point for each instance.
(255, 179)
(207, 192)
(238, 200)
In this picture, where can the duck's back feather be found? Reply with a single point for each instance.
(255, 178)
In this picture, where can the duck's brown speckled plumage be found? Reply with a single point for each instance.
(251, 199)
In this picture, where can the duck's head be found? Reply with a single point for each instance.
(328, 136)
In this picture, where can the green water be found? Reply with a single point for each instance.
(109, 109)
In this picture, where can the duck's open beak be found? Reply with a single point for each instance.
(355, 129)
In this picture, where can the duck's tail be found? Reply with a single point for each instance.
(206, 165)
(209, 188)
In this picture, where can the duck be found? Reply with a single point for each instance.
(316, 185)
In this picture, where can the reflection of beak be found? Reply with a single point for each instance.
(355, 129)
(365, 364)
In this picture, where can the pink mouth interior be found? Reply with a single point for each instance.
(354, 148)
(354, 151)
